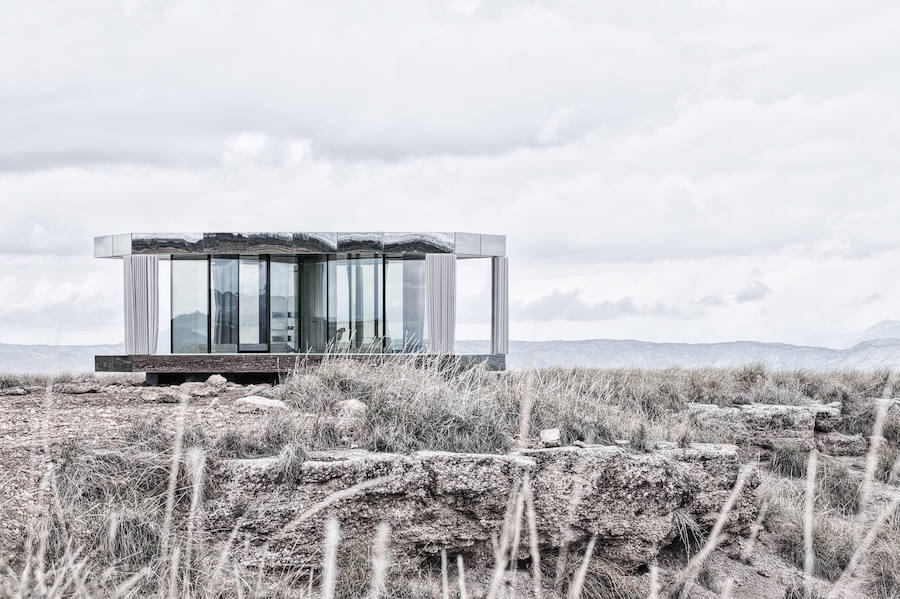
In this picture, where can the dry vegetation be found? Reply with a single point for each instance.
(122, 521)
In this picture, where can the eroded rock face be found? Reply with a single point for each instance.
(838, 444)
(438, 500)
(78, 387)
(768, 426)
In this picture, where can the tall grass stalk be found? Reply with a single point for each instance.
(874, 529)
(173, 477)
(873, 455)
(197, 461)
(533, 544)
(808, 519)
(461, 577)
(654, 580)
(445, 581)
(578, 584)
(329, 560)
(687, 575)
(381, 561)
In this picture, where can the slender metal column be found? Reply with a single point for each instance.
(499, 305)
(141, 277)
(440, 301)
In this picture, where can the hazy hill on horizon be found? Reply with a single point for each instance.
(589, 353)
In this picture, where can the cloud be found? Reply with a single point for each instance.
(568, 305)
(753, 292)
(744, 140)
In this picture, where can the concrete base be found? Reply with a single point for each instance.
(252, 366)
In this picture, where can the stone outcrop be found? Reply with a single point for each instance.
(257, 403)
(839, 444)
(436, 500)
(768, 426)
(78, 387)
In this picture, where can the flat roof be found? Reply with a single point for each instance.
(464, 244)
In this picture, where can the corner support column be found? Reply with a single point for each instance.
(141, 276)
(499, 305)
(440, 302)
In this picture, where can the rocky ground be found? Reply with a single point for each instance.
(648, 504)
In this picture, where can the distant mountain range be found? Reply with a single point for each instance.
(869, 354)
(613, 353)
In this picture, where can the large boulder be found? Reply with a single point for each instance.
(839, 444)
(13, 391)
(78, 387)
(257, 403)
(435, 500)
(767, 426)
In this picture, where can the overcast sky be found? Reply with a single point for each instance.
(667, 171)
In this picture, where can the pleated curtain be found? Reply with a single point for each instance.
(141, 303)
(440, 302)
(500, 305)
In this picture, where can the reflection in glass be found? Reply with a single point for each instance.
(190, 305)
(354, 303)
(224, 304)
(253, 327)
(405, 304)
(283, 279)
(313, 304)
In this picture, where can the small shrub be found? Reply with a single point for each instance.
(837, 487)
(290, 463)
(789, 462)
(890, 453)
(884, 565)
(833, 543)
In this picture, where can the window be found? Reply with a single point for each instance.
(283, 280)
(224, 304)
(190, 305)
(404, 298)
(253, 310)
(354, 303)
(313, 304)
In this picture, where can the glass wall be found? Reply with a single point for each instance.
(224, 304)
(283, 298)
(354, 303)
(404, 304)
(313, 304)
(190, 305)
(253, 311)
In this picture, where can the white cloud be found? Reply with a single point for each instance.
(753, 292)
(647, 155)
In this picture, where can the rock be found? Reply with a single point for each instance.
(257, 403)
(217, 380)
(350, 418)
(435, 500)
(827, 416)
(839, 444)
(78, 387)
(13, 391)
(151, 395)
(768, 426)
(550, 437)
(196, 389)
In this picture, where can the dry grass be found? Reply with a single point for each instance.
(477, 411)
(111, 523)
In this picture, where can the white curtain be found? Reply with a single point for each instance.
(440, 301)
(500, 305)
(141, 303)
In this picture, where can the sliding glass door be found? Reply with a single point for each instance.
(223, 299)
(355, 303)
(253, 304)
(283, 298)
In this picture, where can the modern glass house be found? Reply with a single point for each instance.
(258, 302)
